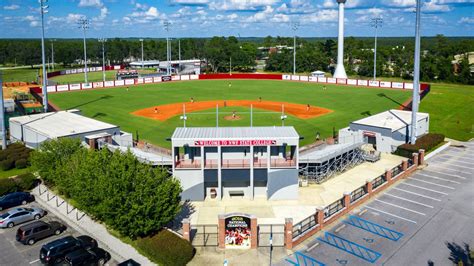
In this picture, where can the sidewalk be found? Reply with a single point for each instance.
(85, 225)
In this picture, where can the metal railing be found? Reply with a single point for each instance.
(410, 162)
(377, 182)
(397, 170)
(271, 235)
(358, 193)
(334, 208)
(204, 235)
(304, 226)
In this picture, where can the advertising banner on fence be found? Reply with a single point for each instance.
(374, 83)
(184, 77)
(139, 81)
(148, 80)
(157, 79)
(332, 80)
(341, 81)
(51, 88)
(286, 77)
(361, 82)
(234, 142)
(129, 81)
(98, 84)
(323, 80)
(397, 85)
(119, 82)
(194, 77)
(385, 84)
(62, 87)
(408, 86)
(74, 87)
(174, 78)
(87, 86)
(238, 232)
(295, 77)
(165, 78)
(116, 67)
(109, 83)
(352, 82)
(313, 79)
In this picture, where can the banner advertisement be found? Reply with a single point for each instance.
(62, 87)
(385, 84)
(352, 82)
(313, 79)
(304, 78)
(193, 77)
(323, 80)
(294, 77)
(286, 77)
(374, 83)
(109, 83)
(51, 88)
(119, 82)
(361, 82)
(139, 81)
(87, 85)
(129, 81)
(397, 85)
(341, 81)
(157, 79)
(174, 78)
(237, 232)
(148, 80)
(332, 80)
(408, 86)
(165, 78)
(98, 84)
(234, 142)
(185, 77)
(74, 87)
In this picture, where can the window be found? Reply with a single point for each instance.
(41, 228)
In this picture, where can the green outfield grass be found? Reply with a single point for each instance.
(115, 105)
(91, 76)
(451, 109)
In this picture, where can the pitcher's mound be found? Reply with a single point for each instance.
(232, 118)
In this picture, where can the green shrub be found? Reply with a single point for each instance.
(166, 248)
(3, 155)
(7, 185)
(7, 164)
(21, 163)
(426, 142)
(16, 145)
(26, 181)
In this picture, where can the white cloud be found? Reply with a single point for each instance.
(191, 2)
(91, 3)
(11, 7)
(243, 5)
(325, 15)
(146, 16)
(466, 20)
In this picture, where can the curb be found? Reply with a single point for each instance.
(438, 150)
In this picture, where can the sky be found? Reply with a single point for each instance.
(244, 18)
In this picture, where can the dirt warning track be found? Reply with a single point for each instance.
(165, 112)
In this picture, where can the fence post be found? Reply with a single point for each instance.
(253, 232)
(186, 230)
(388, 175)
(368, 187)
(289, 233)
(221, 230)
(320, 216)
(422, 156)
(415, 159)
(404, 165)
(347, 201)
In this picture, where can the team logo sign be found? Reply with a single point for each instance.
(237, 232)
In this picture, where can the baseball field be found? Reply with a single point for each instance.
(310, 108)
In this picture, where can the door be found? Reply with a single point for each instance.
(41, 231)
(20, 217)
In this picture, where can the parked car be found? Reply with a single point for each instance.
(54, 252)
(93, 256)
(20, 215)
(30, 233)
(14, 199)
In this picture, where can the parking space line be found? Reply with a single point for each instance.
(427, 189)
(441, 173)
(439, 178)
(412, 201)
(373, 228)
(457, 165)
(450, 169)
(400, 207)
(306, 260)
(453, 156)
(391, 214)
(35, 261)
(350, 247)
(417, 194)
(428, 182)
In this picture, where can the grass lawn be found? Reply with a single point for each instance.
(20, 74)
(91, 76)
(115, 105)
(451, 109)
(14, 172)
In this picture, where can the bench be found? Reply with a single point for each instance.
(234, 193)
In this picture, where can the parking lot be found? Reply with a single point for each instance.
(15, 253)
(408, 224)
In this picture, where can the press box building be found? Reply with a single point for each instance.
(236, 161)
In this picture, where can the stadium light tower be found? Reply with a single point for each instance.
(295, 28)
(84, 25)
(340, 71)
(43, 10)
(103, 41)
(167, 26)
(52, 52)
(416, 74)
(376, 23)
(2, 115)
(143, 65)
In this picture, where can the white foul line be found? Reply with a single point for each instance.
(403, 208)
(458, 176)
(428, 182)
(412, 201)
(439, 178)
(417, 194)
(399, 217)
(432, 190)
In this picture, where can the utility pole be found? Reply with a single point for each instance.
(2, 115)
(43, 10)
(84, 25)
(376, 23)
(295, 28)
(103, 41)
(167, 26)
(416, 74)
(143, 65)
(52, 52)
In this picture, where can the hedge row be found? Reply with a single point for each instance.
(22, 182)
(15, 155)
(426, 142)
(166, 248)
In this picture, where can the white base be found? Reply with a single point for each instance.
(340, 72)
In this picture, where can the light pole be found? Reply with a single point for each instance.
(52, 52)
(84, 25)
(43, 10)
(376, 23)
(143, 65)
(179, 55)
(416, 74)
(295, 28)
(103, 41)
(2, 115)
(167, 26)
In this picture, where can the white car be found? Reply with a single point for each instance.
(20, 215)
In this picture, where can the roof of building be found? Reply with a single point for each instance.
(391, 119)
(61, 124)
(235, 133)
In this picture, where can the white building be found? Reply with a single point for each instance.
(386, 130)
(35, 129)
(236, 161)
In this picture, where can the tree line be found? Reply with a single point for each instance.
(394, 55)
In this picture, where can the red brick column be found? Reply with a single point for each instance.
(221, 230)
(347, 201)
(187, 229)
(388, 175)
(92, 144)
(404, 165)
(288, 233)
(254, 232)
(422, 157)
(368, 187)
(415, 158)
(320, 216)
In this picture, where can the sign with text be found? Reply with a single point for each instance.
(234, 142)
(237, 232)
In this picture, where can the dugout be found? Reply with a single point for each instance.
(229, 162)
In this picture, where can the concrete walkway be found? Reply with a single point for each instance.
(85, 225)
